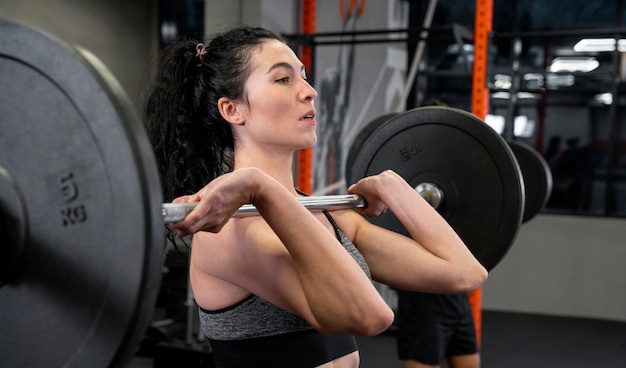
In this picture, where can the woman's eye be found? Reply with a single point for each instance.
(283, 80)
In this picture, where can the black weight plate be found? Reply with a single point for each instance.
(480, 178)
(363, 135)
(537, 178)
(12, 227)
(85, 283)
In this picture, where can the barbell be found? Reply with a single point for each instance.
(81, 212)
(174, 212)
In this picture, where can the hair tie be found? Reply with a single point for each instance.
(200, 52)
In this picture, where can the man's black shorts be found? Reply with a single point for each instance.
(433, 326)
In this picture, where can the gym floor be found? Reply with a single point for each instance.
(515, 340)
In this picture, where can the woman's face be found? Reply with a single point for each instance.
(279, 108)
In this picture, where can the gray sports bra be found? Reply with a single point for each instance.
(256, 317)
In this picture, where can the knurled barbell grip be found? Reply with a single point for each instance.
(174, 212)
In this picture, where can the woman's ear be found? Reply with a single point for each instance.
(230, 110)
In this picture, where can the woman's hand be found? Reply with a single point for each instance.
(368, 188)
(218, 201)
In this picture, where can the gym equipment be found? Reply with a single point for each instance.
(466, 160)
(80, 206)
(537, 178)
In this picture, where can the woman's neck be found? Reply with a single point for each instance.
(278, 166)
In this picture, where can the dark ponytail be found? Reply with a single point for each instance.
(193, 144)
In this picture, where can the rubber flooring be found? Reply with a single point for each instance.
(509, 340)
(515, 340)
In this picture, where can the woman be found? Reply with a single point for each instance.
(288, 288)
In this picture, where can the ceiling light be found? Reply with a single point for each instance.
(599, 45)
(573, 64)
(502, 81)
(501, 95)
(604, 98)
(520, 95)
(527, 96)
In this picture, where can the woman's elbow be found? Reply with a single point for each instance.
(473, 278)
(370, 323)
(374, 324)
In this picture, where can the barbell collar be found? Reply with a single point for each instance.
(431, 192)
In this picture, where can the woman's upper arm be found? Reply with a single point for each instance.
(255, 261)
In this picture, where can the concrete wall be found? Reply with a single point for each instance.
(562, 265)
(277, 15)
(122, 33)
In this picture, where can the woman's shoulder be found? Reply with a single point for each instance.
(239, 241)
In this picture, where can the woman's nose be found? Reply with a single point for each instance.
(308, 92)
